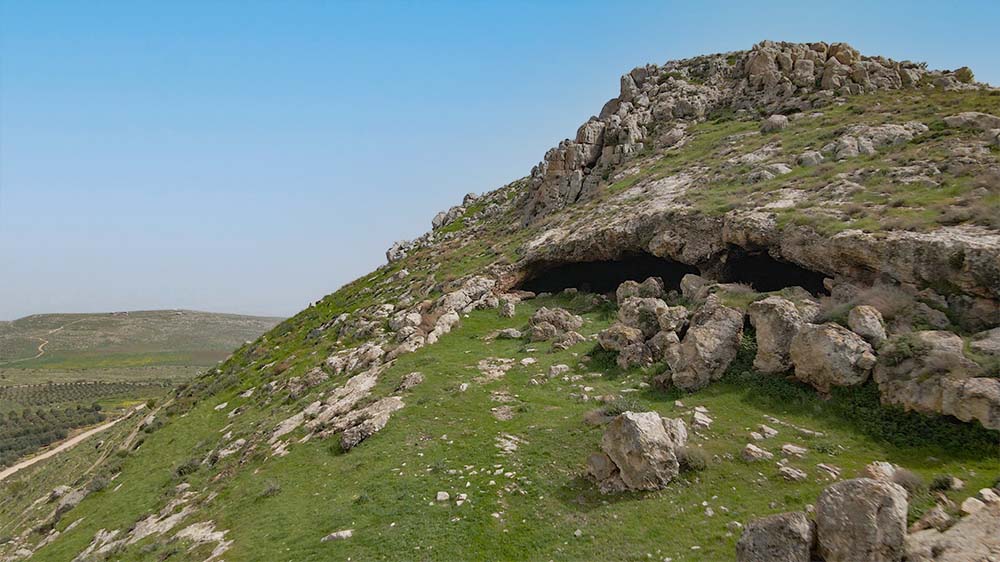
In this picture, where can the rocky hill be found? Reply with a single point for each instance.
(750, 311)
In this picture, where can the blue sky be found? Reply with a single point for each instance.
(254, 156)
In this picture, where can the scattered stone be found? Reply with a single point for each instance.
(509, 334)
(790, 450)
(934, 518)
(810, 158)
(556, 370)
(442, 497)
(830, 470)
(409, 381)
(753, 453)
(700, 420)
(973, 538)
(774, 123)
(792, 474)
(767, 431)
(339, 535)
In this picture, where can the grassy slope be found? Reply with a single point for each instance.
(321, 490)
(142, 345)
(394, 477)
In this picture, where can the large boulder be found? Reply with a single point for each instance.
(561, 319)
(642, 313)
(776, 321)
(773, 123)
(861, 520)
(928, 372)
(784, 537)
(618, 336)
(866, 321)
(710, 345)
(642, 446)
(827, 355)
(626, 290)
(974, 538)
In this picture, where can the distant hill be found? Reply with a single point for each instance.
(137, 339)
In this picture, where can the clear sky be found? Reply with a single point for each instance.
(254, 156)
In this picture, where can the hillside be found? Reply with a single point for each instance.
(165, 344)
(750, 277)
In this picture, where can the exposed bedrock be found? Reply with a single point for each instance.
(962, 259)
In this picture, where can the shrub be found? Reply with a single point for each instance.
(941, 483)
(621, 405)
(97, 484)
(271, 488)
(692, 459)
(189, 467)
(602, 359)
(912, 482)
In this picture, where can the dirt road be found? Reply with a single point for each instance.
(67, 444)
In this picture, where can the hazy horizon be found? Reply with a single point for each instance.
(250, 159)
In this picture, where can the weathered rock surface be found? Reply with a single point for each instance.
(643, 313)
(867, 322)
(641, 448)
(710, 344)
(928, 372)
(618, 336)
(785, 537)
(861, 520)
(974, 538)
(827, 355)
(776, 321)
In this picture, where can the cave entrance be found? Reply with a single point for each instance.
(764, 273)
(604, 276)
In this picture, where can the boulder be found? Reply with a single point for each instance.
(635, 355)
(618, 336)
(673, 318)
(986, 343)
(568, 340)
(561, 319)
(784, 537)
(664, 346)
(652, 287)
(773, 123)
(692, 286)
(974, 538)
(776, 321)
(507, 307)
(810, 158)
(753, 453)
(710, 345)
(826, 355)
(626, 290)
(642, 449)
(861, 520)
(542, 331)
(866, 321)
(928, 372)
(642, 313)
(973, 120)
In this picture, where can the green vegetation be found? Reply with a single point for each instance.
(279, 507)
(30, 429)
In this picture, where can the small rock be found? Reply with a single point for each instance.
(774, 123)
(790, 450)
(753, 453)
(792, 474)
(443, 496)
(339, 535)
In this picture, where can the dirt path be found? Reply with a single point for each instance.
(67, 444)
(41, 346)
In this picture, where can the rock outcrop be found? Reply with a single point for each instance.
(708, 347)
(788, 537)
(639, 452)
(827, 355)
(861, 520)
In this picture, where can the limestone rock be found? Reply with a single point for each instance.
(618, 336)
(973, 120)
(776, 320)
(861, 520)
(827, 355)
(641, 448)
(711, 343)
(974, 538)
(626, 290)
(673, 318)
(774, 123)
(753, 453)
(986, 343)
(866, 321)
(561, 319)
(785, 537)
(642, 313)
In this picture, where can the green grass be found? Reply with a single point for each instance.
(383, 488)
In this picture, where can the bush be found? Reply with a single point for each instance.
(912, 482)
(621, 405)
(603, 360)
(99, 483)
(271, 488)
(941, 483)
(190, 467)
(692, 459)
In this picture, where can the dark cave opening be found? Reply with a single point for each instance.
(764, 273)
(604, 276)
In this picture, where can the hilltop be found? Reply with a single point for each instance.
(749, 279)
(175, 343)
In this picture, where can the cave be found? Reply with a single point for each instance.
(764, 273)
(604, 276)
